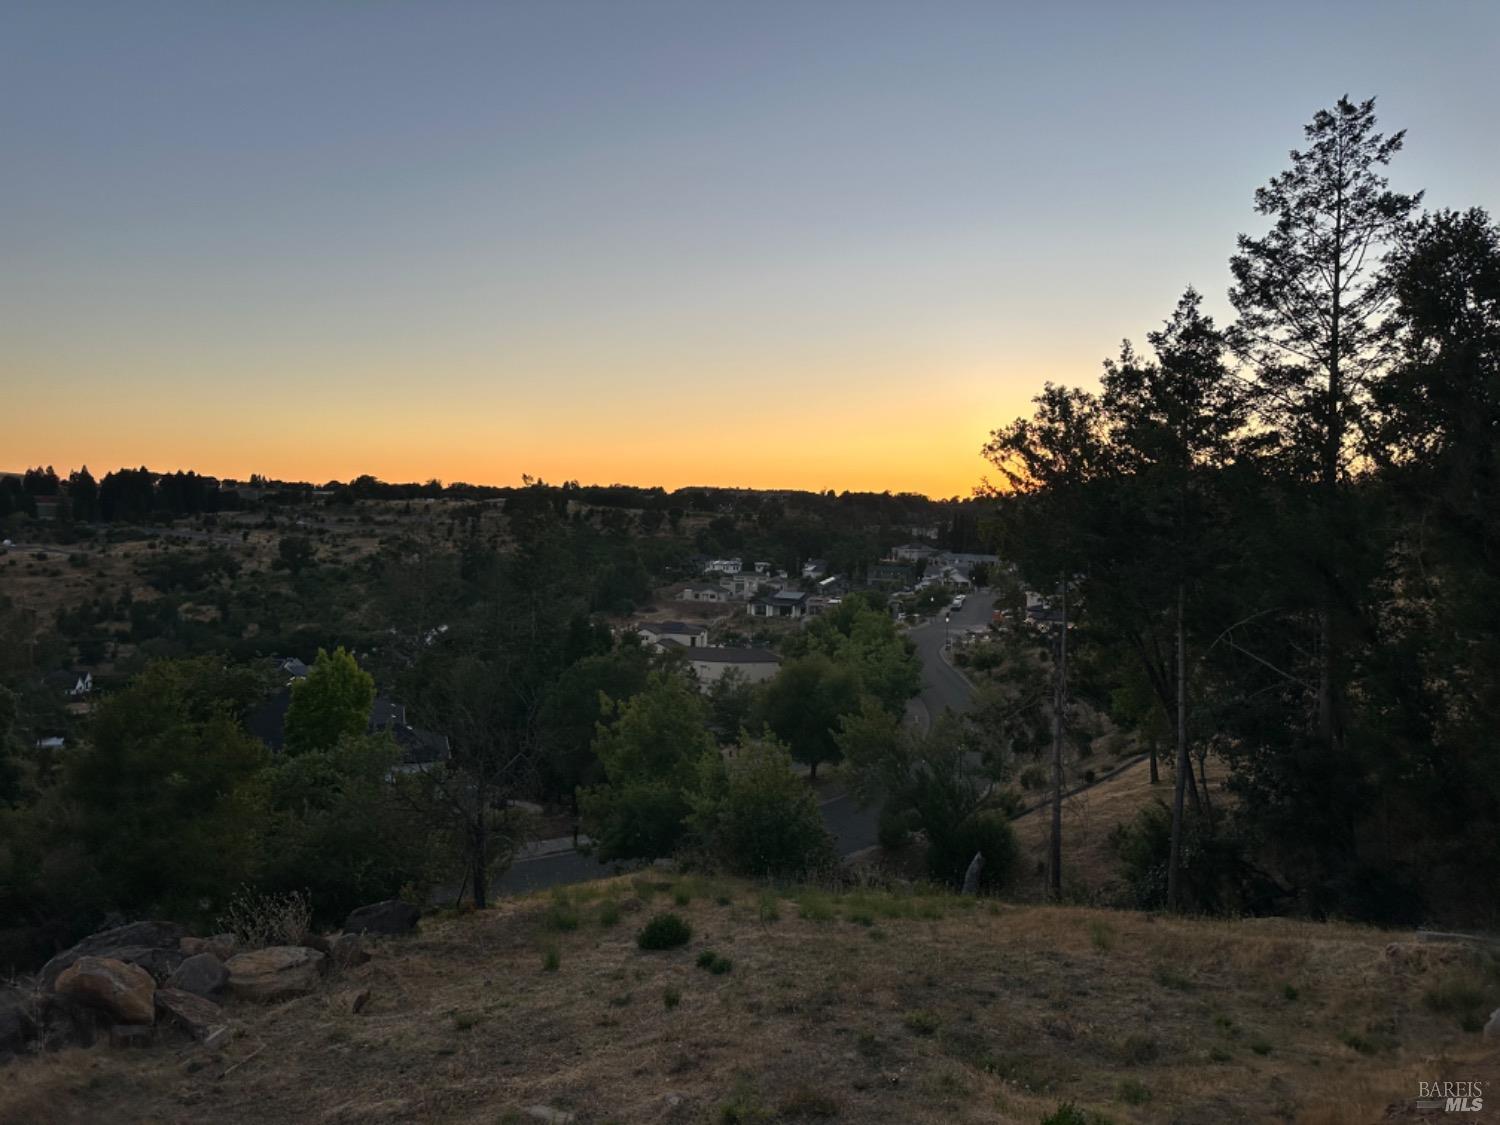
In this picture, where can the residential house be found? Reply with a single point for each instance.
(74, 683)
(834, 586)
(749, 584)
(703, 594)
(892, 572)
(814, 568)
(723, 566)
(687, 635)
(754, 664)
(913, 552)
(420, 749)
(782, 603)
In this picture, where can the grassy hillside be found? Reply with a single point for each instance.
(862, 1006)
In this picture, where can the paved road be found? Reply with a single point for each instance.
(852, 828)
(943, 688)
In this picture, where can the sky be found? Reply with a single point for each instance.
(776, 244)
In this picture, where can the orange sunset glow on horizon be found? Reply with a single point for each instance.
(811, 247)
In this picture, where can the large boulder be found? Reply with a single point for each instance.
(1492, 1029)
(274, 973)
(389, 917)
(126, 992)
(135, 940)
(194, 1014)
(202, 974)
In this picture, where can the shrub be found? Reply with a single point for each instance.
(551, 960)
(952, 849)
(1034, 777)
(562, 915)
(671, 997)
(1215, 878)
(715, 964)
(609, 913)
(1133, 1092)
(1102, 935)
(893, 830)
(1464, 997)
(665, 931)
(756, 817)
(1070, 1114)
(769, 906)
(259, 920)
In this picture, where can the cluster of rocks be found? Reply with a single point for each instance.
(131, 982)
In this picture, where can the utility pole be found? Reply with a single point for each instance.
(1059, 699)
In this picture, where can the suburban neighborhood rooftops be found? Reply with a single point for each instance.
(784, 597)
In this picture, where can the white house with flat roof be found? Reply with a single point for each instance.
(755, 664)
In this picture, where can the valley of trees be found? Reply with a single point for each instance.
(1275, 540)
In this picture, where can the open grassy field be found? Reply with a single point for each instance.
(809, 1005)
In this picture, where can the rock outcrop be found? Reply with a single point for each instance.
(202, 974)
(389, 917)
(126, 992)
(149, 944)
(275, 973)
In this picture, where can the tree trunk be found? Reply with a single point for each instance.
(1059, 697)
(481, 856)
(1184, 766)
(1155, 776)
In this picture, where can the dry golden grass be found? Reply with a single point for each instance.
(865, 1006)
(1090, 865)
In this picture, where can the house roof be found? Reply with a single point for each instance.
(667, 628)
(783, 597)
(733, 656)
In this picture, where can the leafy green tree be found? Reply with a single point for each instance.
(294, 553)
(163, 791)
(340, 825)
(754, 817)
(864, 641)
(928, 781)
(652, 749)
(803, 704)
(331, 703)
(569, 718)
(731, 703)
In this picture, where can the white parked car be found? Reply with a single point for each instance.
(958, 601)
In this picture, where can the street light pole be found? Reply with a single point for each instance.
(947, 633)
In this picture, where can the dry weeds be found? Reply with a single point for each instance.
(856, 1007)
